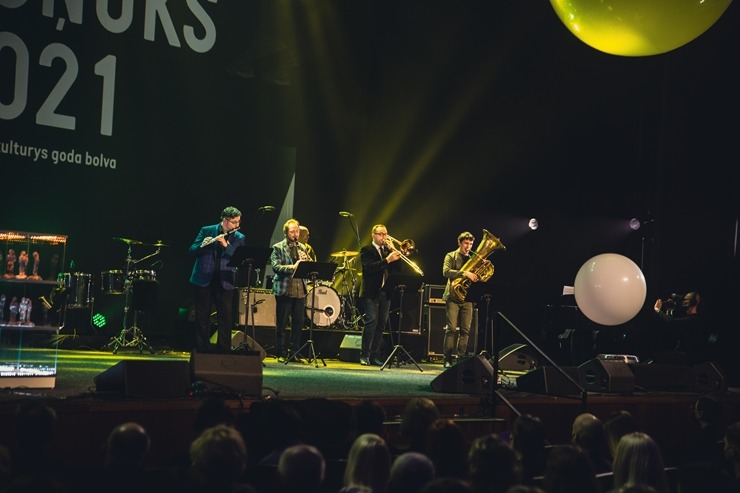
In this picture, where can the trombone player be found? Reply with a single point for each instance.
(378, 260)
(459, 312)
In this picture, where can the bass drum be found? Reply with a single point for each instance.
(113, 282)
(327, 308)
(78, 289)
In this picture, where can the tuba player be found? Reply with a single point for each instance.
(459, 312)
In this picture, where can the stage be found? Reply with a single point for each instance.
(95, 390)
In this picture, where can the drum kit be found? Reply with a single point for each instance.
(140, 288)
(335, 299)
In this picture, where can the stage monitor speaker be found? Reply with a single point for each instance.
(602, 375)
(237, 338)
(263, 307)
(548, 380)
(240, 373)
(146, 379)
(707, 378)
(436, 320)
(517, 357)
(349, 349)
(473, 375)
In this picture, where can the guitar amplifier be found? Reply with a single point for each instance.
(433, 294)
(263, 306)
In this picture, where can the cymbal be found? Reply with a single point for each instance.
(344, 253)
(128, 241)
(158, 243)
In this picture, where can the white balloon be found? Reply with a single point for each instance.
(610, 289)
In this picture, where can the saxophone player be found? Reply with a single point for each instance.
(459, 312)
(290, 293)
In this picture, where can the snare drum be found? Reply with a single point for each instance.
(113, 282)
(143, 275)
(78, 289)
(328, 305)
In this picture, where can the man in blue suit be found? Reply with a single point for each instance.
(213, 280)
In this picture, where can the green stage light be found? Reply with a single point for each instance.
(99, 320)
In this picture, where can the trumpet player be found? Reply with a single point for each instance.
(213, 280)
(290, 293)
(459, 312)
(378, 260)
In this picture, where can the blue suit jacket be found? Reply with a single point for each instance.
(213, 257)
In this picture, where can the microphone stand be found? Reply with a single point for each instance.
(353, 225)
(484, 352)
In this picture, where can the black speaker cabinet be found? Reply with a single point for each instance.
(707, 378)
(263, 310)
(146, 379)
(240, 373)
(237, 339)
(657, 376)
(436, 319)
(473, 375)
(548, 380)
(349, 349)
(517, 357)
(597, 375)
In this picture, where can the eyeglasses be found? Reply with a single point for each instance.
(381, 234)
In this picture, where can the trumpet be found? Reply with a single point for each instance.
(405, 248)
(213, 239)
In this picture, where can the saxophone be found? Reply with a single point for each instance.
(477, 264)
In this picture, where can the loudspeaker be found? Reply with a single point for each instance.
(237, 338)
(241, 373)
(349, 349)
(263, 310)
(436, 319)
(517, 357)
(146, 378)
(548, 380)
(472, 375)
(601, 375)
(707, 378)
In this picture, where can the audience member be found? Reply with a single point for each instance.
(218, 460)
(588, 433)
(410, 472)
(706, 446)
(447, 485)
(35, 427)
(418, 415)
(702, 477)
(447, 448)
(280, 426)
(127, 447)
(301, 469)
(618, 424)
(528, 441)
(493, 466)
(327, 425)
(369, 418)
(569, 470)
(368, 466)
(639, 461)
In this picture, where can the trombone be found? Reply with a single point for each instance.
(404, 249)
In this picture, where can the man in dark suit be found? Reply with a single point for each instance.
(377, 261)
(214, 280)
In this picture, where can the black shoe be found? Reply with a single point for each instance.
(376, 362)
(448, 363)
(364, 361)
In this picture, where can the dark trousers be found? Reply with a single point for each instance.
(223, 300)
(296, 308)
(376, 316)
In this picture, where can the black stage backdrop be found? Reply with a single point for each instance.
(143, 119)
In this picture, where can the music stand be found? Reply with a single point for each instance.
(399, 282)
(249, 256)
(314, 271)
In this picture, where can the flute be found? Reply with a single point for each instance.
(208, 240)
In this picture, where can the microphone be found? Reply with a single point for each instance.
(345, 214)
(267, 208)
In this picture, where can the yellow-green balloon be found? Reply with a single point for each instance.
(638, 27)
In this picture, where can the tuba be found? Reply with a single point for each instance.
(477, 264)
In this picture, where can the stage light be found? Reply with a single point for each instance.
(634, 224)
(99, 320)
(533, 224)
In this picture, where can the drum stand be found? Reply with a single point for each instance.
(393, 357)
(129, 336)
